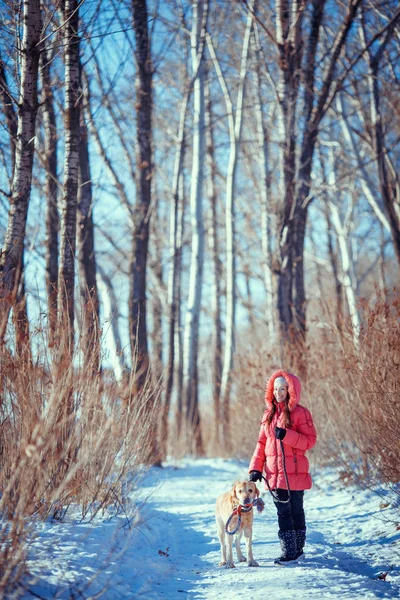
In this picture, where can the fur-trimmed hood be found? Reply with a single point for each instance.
(294, 389)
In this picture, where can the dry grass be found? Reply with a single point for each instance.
(354, 395)
(68, 436)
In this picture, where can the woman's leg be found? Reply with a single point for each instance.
(284, 511)
(286, 533)
(299, 520)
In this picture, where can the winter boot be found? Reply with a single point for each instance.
(288, 542)
(300, 539)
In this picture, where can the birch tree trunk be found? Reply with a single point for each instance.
(86, 254)
(178, 353)
(111, 330)
(141, 216)
(235, 130)
(191, 339)
(66, 273)
(216, 265)
(9, 113)
(20, 314)
(335, 270)
(51, 192)
(365, 180)
(263, 161)
(173, 288)
(11, 256)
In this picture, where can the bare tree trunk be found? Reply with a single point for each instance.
(86, 254)
(157, 304)
(335, 270)
(178, 352)
(111, 314)
(66, 273)
(365, 179)
(173, 290)
(20, 314)
(191, 341)
(141, 217)
(216, 265)
(388, 190)
(235, 128)
(343, 234)
(51, 192)
(348, 273)
(314, 111)
(11, 256)
(9, 113)
(263, 160)
(289, 43)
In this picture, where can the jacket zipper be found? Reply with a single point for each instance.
(295, 461)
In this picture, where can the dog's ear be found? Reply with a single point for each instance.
(257, 491)
(233, 497)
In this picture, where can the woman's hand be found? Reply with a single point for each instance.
(255, 476)
(280, 433)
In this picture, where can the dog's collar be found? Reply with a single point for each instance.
(244, 508)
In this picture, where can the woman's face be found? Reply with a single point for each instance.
(280, 390)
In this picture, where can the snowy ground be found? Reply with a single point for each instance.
(352, 549)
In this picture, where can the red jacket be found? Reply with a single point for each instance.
(300, 436)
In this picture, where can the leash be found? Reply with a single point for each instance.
(243, 508)
(274, 494)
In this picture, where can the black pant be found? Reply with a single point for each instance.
(290, 515)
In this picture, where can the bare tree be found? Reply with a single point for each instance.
(51, 191)
(9, 113)
(235, 118)
(86, 250)
(141, 217)
(11, 256)
(66, 273)
(191, 340)
(175, 263)
(214, 246)
(388, 182)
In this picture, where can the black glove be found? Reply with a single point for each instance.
(280, 433)
(255, 475)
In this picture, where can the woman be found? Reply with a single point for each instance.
(287, 431)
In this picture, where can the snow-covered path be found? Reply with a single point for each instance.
(349, 542)
(174, 553)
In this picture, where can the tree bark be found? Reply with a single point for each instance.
(86, 253)
(51, 192)
(66, 273)
(11, 256)
(173, 288)
(388, 190)
(141, 216)
(191, 340)
(265, 178)
(216, 265)
(9, 113)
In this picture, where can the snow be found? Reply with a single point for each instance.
(172, 551)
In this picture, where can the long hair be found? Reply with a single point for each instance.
(286, 413)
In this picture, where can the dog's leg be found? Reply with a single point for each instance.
(229, 560)
(240, 556)
(248, 534)
(221, 537)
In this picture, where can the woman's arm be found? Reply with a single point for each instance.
(258, 460)
(304, 436)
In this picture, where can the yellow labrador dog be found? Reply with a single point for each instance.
(242, 493)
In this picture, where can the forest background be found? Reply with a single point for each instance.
(193, 194)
